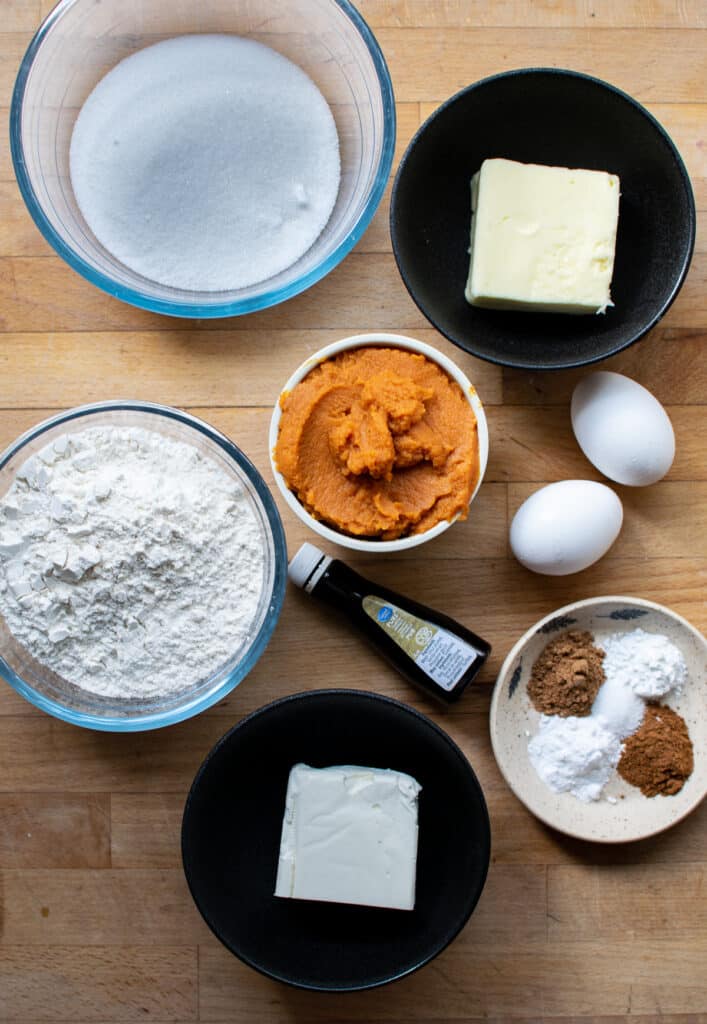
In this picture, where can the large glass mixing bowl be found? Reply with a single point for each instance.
(51, 692)
(81, 40)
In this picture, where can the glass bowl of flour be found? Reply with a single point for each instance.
(203, 159)
(142, 566)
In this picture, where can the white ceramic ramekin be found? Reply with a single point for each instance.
(388, 341)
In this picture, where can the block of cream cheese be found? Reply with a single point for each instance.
(542, 238)
(349, 835)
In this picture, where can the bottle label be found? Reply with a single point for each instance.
(442, 655)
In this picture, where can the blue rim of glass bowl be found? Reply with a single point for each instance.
(158, 719)
(193, 310)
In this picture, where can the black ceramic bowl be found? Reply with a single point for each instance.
(231, 841)
(561, 118)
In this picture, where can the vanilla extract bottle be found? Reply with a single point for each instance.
(428, 648)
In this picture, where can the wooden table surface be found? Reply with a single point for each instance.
(96, 923)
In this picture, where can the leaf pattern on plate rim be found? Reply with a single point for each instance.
(625, 614)
(559, 622)
(515, 678)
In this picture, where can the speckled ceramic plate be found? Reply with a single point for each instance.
(622, 813)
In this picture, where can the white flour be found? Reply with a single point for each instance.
(206, 162)
(574, 755)
(130, 563)
(647, 663)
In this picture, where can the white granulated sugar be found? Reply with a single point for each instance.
(647, 663)
(206, 162)
(130, 563)
(574, 755)
(618, 707)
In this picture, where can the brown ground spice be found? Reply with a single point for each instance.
(658, 757)
(567, 675)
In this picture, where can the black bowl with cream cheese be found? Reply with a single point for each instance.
(232, 828)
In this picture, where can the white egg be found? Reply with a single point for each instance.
(622, 429)
(565, 527)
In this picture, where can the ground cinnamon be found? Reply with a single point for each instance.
(567, 675)
(658, 757)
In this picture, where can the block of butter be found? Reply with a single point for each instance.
(349, 835)
(542, 238)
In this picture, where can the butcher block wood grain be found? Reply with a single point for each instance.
(96, 922)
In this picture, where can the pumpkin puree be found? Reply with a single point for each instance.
(379, 442)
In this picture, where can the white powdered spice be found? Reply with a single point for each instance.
(130, 563)
(206, 162)
(574, 755)
(647, 663)
(618, 707)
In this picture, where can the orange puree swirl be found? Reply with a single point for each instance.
(379, 442)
